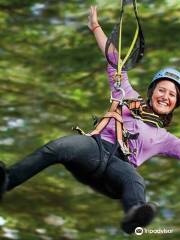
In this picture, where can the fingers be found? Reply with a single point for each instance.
(93, 8)
(134, 105)
(114, 115)
(92, 18)
(93, 11)
(138, 104)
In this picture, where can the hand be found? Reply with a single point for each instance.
(134, 105)
(92, 18)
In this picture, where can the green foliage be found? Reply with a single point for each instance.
(52, 76)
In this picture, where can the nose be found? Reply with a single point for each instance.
(166, 95)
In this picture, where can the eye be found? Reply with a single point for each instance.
(172, 95)
(161, 90)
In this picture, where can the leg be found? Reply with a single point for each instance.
(123, 178)
(122, 175)
(82, 151)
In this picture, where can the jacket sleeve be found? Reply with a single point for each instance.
(171, 146)
(126, 86)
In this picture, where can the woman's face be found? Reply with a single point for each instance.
(164, 97)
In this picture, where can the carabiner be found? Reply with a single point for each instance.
(120, 100)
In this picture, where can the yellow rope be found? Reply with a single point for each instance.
(121, 62)
(120, 44)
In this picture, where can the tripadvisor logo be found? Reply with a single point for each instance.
(140, 231)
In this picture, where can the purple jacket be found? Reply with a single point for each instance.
(152, 141)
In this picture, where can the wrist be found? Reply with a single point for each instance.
(95, 27)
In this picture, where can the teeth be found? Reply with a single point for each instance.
(163, 103)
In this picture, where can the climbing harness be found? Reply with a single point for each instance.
(134, 54)
(143, 112)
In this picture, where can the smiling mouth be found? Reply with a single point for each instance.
(164, 104)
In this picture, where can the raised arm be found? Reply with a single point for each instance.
(95, 27)
(101, 39)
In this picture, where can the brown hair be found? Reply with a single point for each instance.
(167, 118)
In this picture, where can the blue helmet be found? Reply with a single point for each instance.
(168, 73)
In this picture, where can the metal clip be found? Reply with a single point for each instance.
(121, 99)
(117, 79)
(125, 149)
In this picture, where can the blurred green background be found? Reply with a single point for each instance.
(53, 76)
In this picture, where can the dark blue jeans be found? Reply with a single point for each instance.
(82, 156)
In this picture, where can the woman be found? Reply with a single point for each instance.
(88, 157)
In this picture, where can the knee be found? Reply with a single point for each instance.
(139, 179)
(134, 177)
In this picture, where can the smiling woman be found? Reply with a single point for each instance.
(164, 97)
(164, 93)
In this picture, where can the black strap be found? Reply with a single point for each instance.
(106, 156)
(138, 51)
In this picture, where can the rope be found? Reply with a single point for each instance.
(121, 62)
